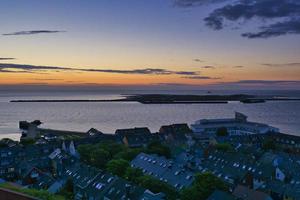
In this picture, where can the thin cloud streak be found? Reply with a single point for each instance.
(32, 32)
(7, 58)
(295, 64)
(201, 77)
(21, 68)
(262, 82)
(198, 60)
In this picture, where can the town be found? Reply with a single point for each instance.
(212, 159)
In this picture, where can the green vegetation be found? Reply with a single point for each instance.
(98, 155)
(269, 145)
(226, 147)
(41, 194)
(28, 141)
(117, 167)
(157, 186)
(132, 174)
(222, 132)
(5, 141)
(203, 186)
(159, 149)
(116, 158)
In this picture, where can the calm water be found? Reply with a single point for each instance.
(108, 117)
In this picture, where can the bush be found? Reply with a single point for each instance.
(269, 145)
(159, 149)
(202, 187)
(133, 174)
(117, 167)
(224, 147)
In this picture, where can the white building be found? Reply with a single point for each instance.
(235, 126)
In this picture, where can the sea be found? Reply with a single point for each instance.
(109, 116)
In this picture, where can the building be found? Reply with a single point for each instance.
(235, 126)
(135, 137)
(173, 173)
(95, 184)
(220, 195)
(244, 193)
(175, 133)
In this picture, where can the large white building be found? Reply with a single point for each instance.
(235, 126)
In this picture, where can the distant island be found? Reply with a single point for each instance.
(176, 99)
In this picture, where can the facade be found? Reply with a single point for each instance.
(235, 126)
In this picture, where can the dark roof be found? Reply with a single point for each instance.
(94, 132)
(249, 194)
(220, 195)
(123, 132)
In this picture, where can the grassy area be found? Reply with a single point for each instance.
(40, 194)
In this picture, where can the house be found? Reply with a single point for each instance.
(164, 169)
(135, 137)
(288, 142)
(175, 133)
(94, 132)
(244, 193)
(231, 167)
(92, 183)
(38, 179)
(220, 195)
(283, 191)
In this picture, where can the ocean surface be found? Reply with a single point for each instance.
(107, 117)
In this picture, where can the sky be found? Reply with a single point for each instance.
(199, 43)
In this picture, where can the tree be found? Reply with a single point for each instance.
(99, 158)
(159, 149)
(269, 145)
(224, 147)
(128, 154)
(133, 174)
(222, 131)
(93, 155)
(202, 187)
(27, 141)
(85, 152)
(5, 141)
(117, 167)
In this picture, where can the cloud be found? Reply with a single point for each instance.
(239, 66)
(201, 77)
(208, 67)
(32, 32)
(198, 60)
(295, 64)
(277, 29)
(191, 3)
(281, 17)
(7, 58)
(48, 79)
(265, 82)
(21, 68)
(153, 71)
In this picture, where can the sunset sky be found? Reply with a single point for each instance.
(150, 42)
